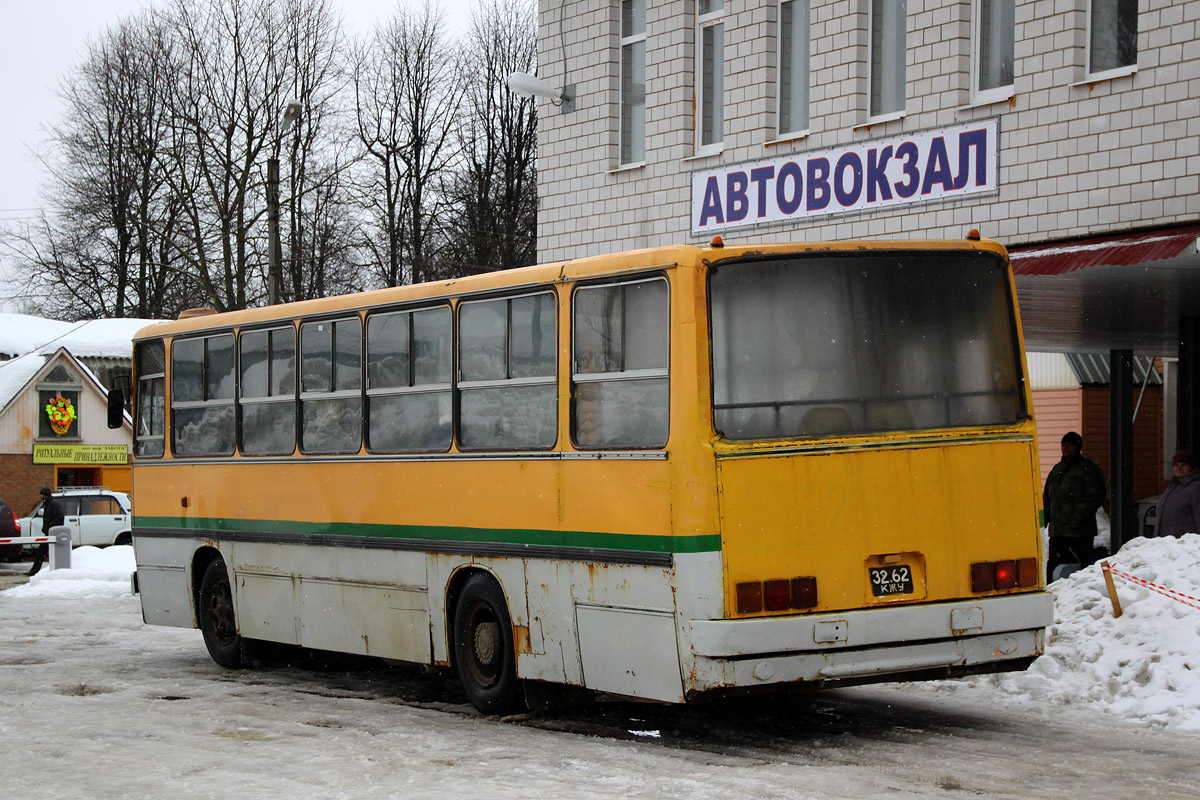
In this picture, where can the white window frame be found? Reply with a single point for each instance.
(1107, 74)
(703, 21)
(629, 139)
(884, 116)
(803, 27)
(998, 93)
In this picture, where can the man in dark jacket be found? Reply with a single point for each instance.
(52, 517)
(1074, 490)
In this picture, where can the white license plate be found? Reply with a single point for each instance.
(891, 580)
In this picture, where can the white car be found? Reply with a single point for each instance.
(96, 515)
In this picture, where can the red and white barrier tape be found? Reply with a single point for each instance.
(1180, 597)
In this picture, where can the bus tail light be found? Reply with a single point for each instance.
(804, 593)
(778, 594)
(1006, 574)
(1027, 572)
(749, 597)
(988, 576)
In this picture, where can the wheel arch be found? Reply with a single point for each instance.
(454, 586)
(201, 559)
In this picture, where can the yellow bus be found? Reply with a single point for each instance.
(665, 474)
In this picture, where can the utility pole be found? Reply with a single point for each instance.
(275, 251)
(275, 255)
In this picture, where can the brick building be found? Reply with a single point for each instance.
(72, 366)
(1067, 129)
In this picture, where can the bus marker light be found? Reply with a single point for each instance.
(1027, 572)
(749, 597)
(1006, 574)
(804, 592)
(983, 576)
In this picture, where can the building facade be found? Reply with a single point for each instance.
(1069, 130)
(1030, 120)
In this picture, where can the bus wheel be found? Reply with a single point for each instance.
(217, 621)
(483, 646)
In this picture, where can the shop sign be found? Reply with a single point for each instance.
(940, 164)
(80, 454)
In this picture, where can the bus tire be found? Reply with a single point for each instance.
(483, 646)
(217, 620)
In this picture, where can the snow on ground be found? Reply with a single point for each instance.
(1143, 667)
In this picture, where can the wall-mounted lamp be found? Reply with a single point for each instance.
(527, 85)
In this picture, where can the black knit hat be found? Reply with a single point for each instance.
(46, 491)
(1073, 438)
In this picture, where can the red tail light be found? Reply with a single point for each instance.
(1006, 574)
(983, 576)
(1027, 572)
(777, 595)
(988, 576)
(804, 592)
(749, 597)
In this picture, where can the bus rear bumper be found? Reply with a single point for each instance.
(930, 640)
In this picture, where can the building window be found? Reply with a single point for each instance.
(1112, 35)
(710, 76)
(993, 26)
(268, 391)
(331, 386)
(633, 81)
(887, 57)
(793, 66)
(508, 395)
(410, 363)
(620, 365)
(203, 422)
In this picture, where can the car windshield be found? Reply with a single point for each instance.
(861, 342)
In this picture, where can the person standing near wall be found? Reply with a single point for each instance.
(52, 517)
(1179, 507)
(1074, 490)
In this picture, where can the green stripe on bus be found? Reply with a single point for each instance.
(600, 541)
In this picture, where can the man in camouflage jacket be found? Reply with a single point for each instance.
(1074, 490)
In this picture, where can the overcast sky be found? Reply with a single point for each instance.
(39, 42)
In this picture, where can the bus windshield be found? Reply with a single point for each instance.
(861, 342)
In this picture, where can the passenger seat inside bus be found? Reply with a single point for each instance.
(825, 420)
(889, 416)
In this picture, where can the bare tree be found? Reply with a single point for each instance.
(103, 252)
(407, 83)
(494, 224)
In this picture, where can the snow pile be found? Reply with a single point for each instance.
(1143, 666)
(94, 572)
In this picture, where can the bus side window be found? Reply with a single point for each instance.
(267, 401)
(620, 365)
(331, 386)
(507, 373)
(149, 427)
(202, 382)
(409, 367)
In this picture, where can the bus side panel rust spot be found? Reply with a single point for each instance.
(521, 640)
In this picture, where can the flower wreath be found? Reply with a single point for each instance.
(61, 412)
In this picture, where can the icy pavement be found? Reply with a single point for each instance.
(94, 704)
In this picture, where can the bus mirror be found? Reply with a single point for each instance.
(116, 408)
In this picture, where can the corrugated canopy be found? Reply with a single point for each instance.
(1120, 250)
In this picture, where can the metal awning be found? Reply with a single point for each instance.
(1120, 250)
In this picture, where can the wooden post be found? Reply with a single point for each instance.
(1112, 589)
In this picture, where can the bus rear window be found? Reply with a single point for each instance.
(855, 343)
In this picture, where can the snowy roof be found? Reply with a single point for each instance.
(101, 338)
(16, 373)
